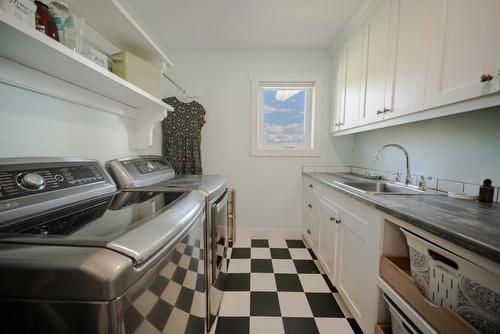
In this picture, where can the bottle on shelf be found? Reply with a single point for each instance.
(44, 21)
(486, 191)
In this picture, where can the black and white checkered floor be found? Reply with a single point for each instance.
(278, 286)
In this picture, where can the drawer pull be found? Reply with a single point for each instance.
(332, 219)
(308, 231)
(338, 221)
(311, 186)
(310, 206)
(486, 77)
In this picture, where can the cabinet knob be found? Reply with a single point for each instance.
(311, 186)
(380, 112)
(338, 221)
(332, 219)
(486, 77)
(310, 205)
(308, 231)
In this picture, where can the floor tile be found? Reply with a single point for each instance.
(288, 282)
(301, 326)
(266, 325)
(324, 305)
(242, 243)
(240, 253)
(238, 282)
(312, 254)
(300, 254)
(277, 243)
(264, 304)
(333, 325)
(295, 244)
(284, 266)
(262, 282)
(235, 304)
(259, 243)
(239, 266)
(306, 267)
(313, 283)
(261, 266)
(342, 305)
(294, 304)
(260, 253)
(280, 253)
(232, 325)
(333, 289)
(355, 327)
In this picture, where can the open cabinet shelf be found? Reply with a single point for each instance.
(33, 61)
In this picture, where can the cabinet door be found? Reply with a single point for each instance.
(353, 64)
(464, 45)
(357, 269)
(375, 62)
(407, 57)
(329, 218)
(338, 90)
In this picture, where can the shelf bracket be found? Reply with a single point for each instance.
(144, 125)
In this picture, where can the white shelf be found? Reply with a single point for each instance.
(112, 21)
(34, 61)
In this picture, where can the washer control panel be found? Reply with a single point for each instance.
(18, 182)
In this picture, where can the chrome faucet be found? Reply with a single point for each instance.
(378, 154)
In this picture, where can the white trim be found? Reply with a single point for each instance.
(450, 109)
(262, 233)
(316, 79)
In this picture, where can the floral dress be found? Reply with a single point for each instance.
(181, 131)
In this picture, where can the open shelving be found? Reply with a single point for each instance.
(33, 61)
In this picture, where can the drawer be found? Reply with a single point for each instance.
(311, 187)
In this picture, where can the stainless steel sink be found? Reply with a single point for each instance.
(382, 188)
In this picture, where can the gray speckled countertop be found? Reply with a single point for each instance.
(470, 224)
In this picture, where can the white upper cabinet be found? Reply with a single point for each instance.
(347, 74)
(407, 57)
(375, 63)
(464, 53)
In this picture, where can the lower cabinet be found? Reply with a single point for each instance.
(328, 238)
(344, 234)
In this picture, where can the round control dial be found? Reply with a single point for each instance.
(32, 181)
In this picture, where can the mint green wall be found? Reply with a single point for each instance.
(36, 125)
(463, 147)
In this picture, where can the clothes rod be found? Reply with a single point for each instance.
(175, 83)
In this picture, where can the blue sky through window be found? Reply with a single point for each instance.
(284, 116)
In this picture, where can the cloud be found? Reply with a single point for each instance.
(269, 110)
(284, 134)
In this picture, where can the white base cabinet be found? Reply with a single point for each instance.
(345, 237)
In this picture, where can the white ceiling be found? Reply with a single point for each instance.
(245, 24)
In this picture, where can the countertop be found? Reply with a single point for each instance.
(469, 224)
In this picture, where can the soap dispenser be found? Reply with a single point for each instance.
(486, 192)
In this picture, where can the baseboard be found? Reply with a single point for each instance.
(262, 233)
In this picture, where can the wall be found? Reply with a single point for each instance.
(36, 125)
(460, 147)
(269, 188)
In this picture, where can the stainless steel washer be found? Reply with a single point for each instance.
(155, 173)
(76, 256)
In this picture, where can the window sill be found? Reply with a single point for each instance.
(285, 152)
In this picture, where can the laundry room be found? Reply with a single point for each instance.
(230, 166)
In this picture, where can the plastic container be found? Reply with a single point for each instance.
(450, 281)
(22, 10)
(65, 22)
(400, 324)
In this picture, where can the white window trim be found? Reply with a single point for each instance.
(317, 80)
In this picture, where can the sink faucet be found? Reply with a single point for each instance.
(378, 154)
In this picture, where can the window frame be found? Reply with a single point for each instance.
(311, 82)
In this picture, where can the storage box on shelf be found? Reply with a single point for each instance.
(35, 62)
(399, 323)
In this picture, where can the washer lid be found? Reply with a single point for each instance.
(137, 224)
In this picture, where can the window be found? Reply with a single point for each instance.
(283, 115)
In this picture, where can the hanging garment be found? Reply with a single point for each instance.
(182, 136)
